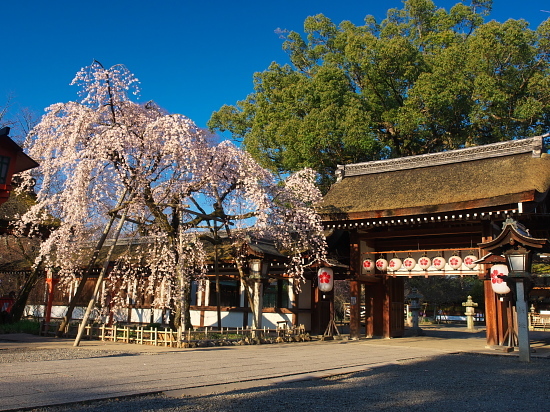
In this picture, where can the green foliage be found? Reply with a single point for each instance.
(540, 269)
(422, 80)
(22, 326)
(448, 291)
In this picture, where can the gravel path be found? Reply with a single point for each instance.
(456, 382)
(31, 355)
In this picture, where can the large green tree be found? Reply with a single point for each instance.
(422, 80)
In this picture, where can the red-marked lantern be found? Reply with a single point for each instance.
(409, 263)
(469, 261)
(382, 265)
(497, 282)
(368, 265)
(424, 262)
(395, 264)
(439, 262)
(325, 279)
(455, 262)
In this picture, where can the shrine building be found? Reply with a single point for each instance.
(426, 216)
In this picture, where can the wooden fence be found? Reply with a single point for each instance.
(190, 338)
(539, 322)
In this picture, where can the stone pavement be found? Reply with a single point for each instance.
(140, 369)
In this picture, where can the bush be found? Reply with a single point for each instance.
(23, 326)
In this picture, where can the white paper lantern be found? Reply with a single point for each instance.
(455, 262)
(368, 265)
(394, 264)
(439, 262)
(497, 283)
(325, 279)
(382, 264)
(424, 262)
(409, 263)
(469, 261)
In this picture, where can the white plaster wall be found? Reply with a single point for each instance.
(140, 315)
(269, 320)
(34, 310)
(229, 319)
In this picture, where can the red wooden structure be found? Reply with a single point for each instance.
(12, 161)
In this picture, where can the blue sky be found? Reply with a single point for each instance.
(190, 56)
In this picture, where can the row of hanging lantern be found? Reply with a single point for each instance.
(424, 262)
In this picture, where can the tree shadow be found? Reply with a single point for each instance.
(466, 382)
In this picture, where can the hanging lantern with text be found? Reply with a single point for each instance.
(497, 282)
(325, 279)
(368, 266)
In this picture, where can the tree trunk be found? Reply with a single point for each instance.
(258, 304)
(254, 304)
(18, 307)
(185, 320)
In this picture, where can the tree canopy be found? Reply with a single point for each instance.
(106, 157)
(422, 80)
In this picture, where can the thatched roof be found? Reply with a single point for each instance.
(482, 177)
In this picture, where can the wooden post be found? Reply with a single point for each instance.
(490, 314)
(51, 281)
(355, 310)
(378, 296)
(386, 307)
(355, 286)
(369, 310)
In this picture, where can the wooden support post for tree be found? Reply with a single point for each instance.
(92, 301)
(217, 273)
(80, 289)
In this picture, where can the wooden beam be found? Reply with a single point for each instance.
(504, 202)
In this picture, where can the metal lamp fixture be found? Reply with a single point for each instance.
(258, 269)
(519, 261)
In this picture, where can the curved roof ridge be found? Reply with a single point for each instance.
(532, 144)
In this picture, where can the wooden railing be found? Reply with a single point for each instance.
(202, 337)
(539, 322)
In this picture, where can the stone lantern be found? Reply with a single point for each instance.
(414, 298)
(469, 305)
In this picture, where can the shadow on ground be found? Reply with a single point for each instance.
(465, 382)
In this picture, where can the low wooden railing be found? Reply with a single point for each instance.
(191, 338)
(539, 322)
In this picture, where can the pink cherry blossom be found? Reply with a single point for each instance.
(177, 185)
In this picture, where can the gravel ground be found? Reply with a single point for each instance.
(30, 355)
(457, 382)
